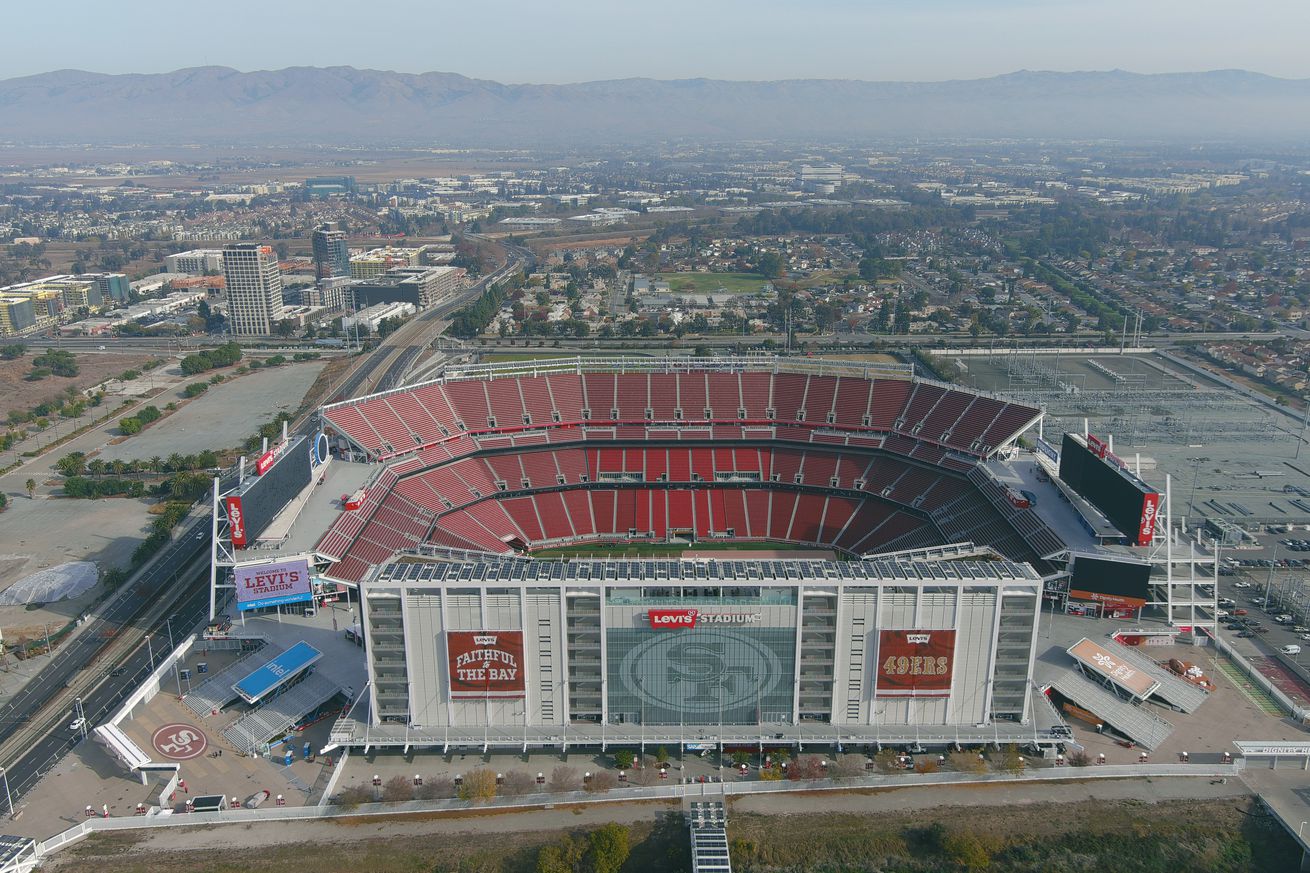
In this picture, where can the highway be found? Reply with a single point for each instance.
(34, 723)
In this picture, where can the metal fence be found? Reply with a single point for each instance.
(655, 792)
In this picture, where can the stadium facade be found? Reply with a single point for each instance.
(472, 643)
(669, 650)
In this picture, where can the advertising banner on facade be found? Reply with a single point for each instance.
(675, 619)
(1146, 530)
(485, 663)
(260, 585)
(916, 663)
(264, 461)
(236, 522)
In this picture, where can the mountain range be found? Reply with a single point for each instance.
(348, 106)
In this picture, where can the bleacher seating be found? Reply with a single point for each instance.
(281, 712)
(859, 463)
(216, 690)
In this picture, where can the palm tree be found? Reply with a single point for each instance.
(30, 485)
(95, 467)
(156, 463)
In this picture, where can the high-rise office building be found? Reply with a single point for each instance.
(254, 289)
(331, 255)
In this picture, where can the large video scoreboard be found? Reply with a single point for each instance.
(1091, 470)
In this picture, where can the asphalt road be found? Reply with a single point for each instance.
(44, 754)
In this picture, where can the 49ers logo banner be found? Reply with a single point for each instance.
(915, 662)
(485, 663)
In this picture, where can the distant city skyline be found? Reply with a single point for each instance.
(584, 40)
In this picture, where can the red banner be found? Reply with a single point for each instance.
(1111, 601)
(1150, 506)
(485, 663)
(1097, 446)
(236, 522)
(264, 461)
(915, 663)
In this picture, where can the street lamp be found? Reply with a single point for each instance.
(8, 797)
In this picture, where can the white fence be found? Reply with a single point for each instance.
(635, 793)
(1249, 670)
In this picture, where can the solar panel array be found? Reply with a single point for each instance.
(518, 570)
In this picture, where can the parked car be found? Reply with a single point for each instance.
(1290, 649)
(1239, 611)
(1241, 584)
(1245, 635)
(1305, 638)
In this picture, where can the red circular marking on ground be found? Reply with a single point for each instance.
(179, 742)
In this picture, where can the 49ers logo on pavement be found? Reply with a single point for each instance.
(179, 742)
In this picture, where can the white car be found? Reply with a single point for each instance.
(1241, 584)
(1305, 638)
(1223, 613)
(76, 725)
(1291, 649)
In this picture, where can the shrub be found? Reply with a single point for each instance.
(349, 798)
(967, 762)
(129, 426)
(478, 786)
(211, 359)
(563, 779)
(397, 789)
(602, 781)
(434, 789)
(518, 783)
(195, 389)
(623, 759)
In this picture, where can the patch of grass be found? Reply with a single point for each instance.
(711, 283)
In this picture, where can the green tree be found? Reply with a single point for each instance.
(769, 265)
(623, 759)
(30, 486)
(607, 849)
(562, 856)
(72, 464)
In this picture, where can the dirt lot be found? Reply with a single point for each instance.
(18, 393)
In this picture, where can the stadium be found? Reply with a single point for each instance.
(886, 586)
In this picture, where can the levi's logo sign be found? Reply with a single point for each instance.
(484, 640)
(918, 639)
(672, 618)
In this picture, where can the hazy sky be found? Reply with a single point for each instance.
(576, 40)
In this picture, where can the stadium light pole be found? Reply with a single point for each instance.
(1191, 497)
(9, 798)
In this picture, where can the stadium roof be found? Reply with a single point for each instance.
(776, 571)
